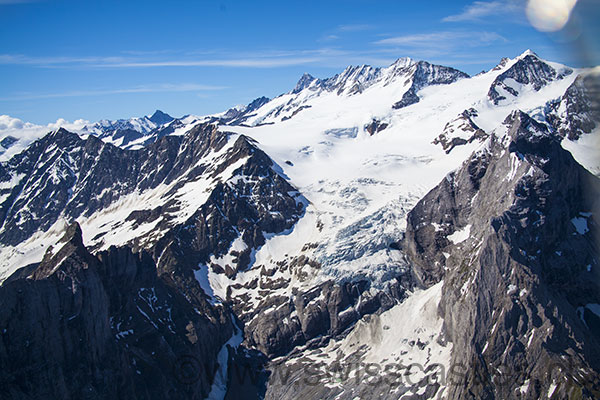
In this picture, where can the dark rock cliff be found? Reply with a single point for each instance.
(513, 236)
(104, 327)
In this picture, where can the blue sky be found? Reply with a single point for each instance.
(116, 59)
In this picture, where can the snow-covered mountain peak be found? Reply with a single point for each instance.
(404, 77)
(238, 114)
(423, 74)
(59, 132)
(525, 73)
(402, 62)
(141, 125)
(353, 80)
(401, 66)
(305, 81)
(503, 62)
(526, 53)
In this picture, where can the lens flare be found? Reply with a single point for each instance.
(549, 15)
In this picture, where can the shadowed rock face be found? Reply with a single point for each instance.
(375, 126)
(279, 324)
(513, 282)
(530, 71)
(463, 126)
(577, 112)
(424, 74)
(160, 118)
(104, 326)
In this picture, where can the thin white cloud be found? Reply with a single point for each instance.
(161, 88)
(20, 59)
(423, 46)
(354, 27)
(340, 30)
(479, 10)
(444, 47)
(6, 2)
(246, 59)
(284, 59)
(329, 38)
(239, 63)
(27, 132)
(443, 39)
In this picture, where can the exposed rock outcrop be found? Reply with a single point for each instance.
(577, 112)
(528, 71)
(424, 74)
(460, 131)
(104, 327)
(375, 126)
(513, 236)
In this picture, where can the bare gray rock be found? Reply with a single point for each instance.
(515, 268)
(104, 327)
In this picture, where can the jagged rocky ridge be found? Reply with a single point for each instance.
(85, 176)
(460, 131)
(354, 80)
(529, 71)
(424, 74)
(513, 283)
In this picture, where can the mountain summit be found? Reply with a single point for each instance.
(160, 118)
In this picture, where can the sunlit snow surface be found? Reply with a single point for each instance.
(406, 338)
(361, 186)
(586, 151)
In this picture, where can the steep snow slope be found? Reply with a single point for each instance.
(586, 150)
